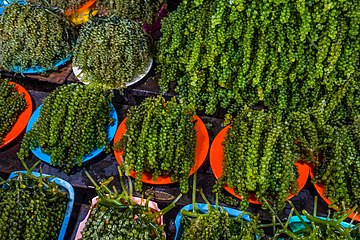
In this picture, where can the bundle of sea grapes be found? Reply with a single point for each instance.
(287, 55)
(160, 139)
(63, 5)
(33, 207)
(111, 51)
(143, 10)
(73, 121)
(259, 158)
(33, 36)
(339, 168)
(312, 129)
(216, 222)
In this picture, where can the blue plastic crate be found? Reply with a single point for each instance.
(71, 196)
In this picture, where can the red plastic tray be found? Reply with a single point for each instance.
(201, 151)
(216, 162)
(23, 118)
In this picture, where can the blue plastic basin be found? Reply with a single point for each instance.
(46, 158)
(296, 224)
(4, 3)
(38, 69)
(204, 208)
(66, 187)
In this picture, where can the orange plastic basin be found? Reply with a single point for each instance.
(23, 118)
(201, 151)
